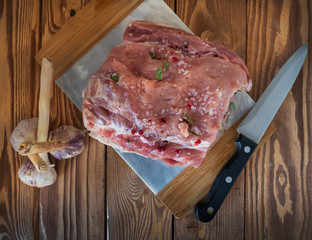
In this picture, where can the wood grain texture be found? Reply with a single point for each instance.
(278, 184)
(56, 13)
(223, 22)
(271, 200)
(88, 28)
(19, 41)
(133, 211)
(74, 207)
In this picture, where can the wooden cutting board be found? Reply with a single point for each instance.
(79, 35)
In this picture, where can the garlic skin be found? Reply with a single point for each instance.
(30, 176)
(72, 138)
(26, 130)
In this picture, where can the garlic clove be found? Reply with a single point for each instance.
(30, 176)
(26, 130)
(72, 138)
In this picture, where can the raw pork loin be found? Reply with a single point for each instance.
(163, 93)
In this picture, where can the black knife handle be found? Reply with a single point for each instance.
(226, 178)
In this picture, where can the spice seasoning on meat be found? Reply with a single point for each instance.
(197, 142)
(189, 119)
(114, 77)
(166, 65)
(194, 133)
(158, 73)
(152, 54)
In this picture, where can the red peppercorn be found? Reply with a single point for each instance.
(140, 132)
(170, 47)
(161, 149)
(133, 131)
(177, 151)
(174, 59)
(149, 121)
(189, 104)
(162, 120)
(171, 52)
(197, 142)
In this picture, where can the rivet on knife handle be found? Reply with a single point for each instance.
(223, 183)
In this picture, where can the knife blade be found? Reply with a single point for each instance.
(250, 131)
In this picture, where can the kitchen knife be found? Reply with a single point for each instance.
(250, 132)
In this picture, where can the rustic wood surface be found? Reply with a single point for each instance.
(97, 196)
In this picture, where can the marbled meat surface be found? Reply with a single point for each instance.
(163, 93)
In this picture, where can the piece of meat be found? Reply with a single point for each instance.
(163, 93)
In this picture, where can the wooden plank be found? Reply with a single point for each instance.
(278, 184)
(74, 207)
(19, 40)
(171, 4)
(88, 28)
(133, 211)
(57, 13)
(222, 22)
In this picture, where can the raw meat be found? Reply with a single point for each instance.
(163, 93)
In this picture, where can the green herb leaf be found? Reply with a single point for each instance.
(114, 77)
(232, 106)
(222, 128)
(207, 112)
(227, 119)
(189, 119)
(152, 54)
(158, 73)
(128, 140)
(194, 133)
(166, 65)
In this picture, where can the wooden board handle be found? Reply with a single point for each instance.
(83, 31)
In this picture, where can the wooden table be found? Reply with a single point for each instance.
(98, 196)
